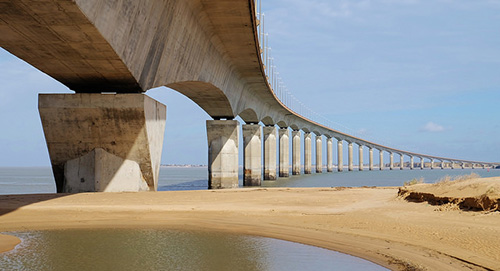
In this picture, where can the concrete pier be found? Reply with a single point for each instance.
(252, 153)
(284, 153)
(381, 159)
(462, 165)
(307, 153)
(442, 165)
(401, 162)
(329, 154)
(269, 152)
(422, 163)
(223, 138)
(350, 157)
(103, 143)
(340, 155)
(370, 158)
(391, 161)
(432, 163)
(319, 154)
(411, 162)
(296, 153)
(360, 157)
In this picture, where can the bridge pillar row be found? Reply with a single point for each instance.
(307, 153)
(223, 136)
(329, 154)
(350, 157)
(284, 152)
(269, 152)
(340, 155)
(360, 157)
(401, 161)
(381, 159)
(103, 142)
(391, 161)
(319, 154)
(370, 152)
(252, 155)
(296, 152)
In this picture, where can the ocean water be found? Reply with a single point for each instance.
(40, 180)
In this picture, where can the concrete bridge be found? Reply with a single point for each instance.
(108, 135)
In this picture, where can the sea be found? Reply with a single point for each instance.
(166, 249)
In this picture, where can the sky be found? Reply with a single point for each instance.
(413, 74)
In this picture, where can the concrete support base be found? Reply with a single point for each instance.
(350, 157)
(381, 160)
(307, 153)
(103, 142)
(329, 155)
(269, 152)
(370, 158)
(360, 158)
(391, 161)
(222, 138)
(340, 155)
(296, 152)
(284, 153)
(252, 153)
(401, 162)
(319, 154)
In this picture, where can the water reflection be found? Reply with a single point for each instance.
(151, 249)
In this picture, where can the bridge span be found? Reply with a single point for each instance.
(108, 135)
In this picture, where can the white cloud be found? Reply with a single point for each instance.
(432, 127)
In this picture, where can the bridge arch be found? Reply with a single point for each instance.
(209, 97)
(249, 116)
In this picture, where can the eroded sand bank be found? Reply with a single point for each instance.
(371, 223)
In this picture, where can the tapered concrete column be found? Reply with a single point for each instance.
(319, 154)
(340, 155)
(411, 162)
(370, 165)
(462, 165)
(223, 138)
(269, 152)
(432, 163)
(452, 165)
(391, 161)
(422, 163)
(296, 152)
(360, 157)
(307, 153)
(329, 154)
(252, 155)
(103, 142)
(401, 162)
(284, 153)
(473, 166)
(442, 164)
(350, 157)
(381, 159)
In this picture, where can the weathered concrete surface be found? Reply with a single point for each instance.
(295, 152)
(269, 152)
(370, 157)
(307, 153)
(329, 155)
(340, 155)
(130, 127)
(411, 162)
(101, 171)
(381, 159)
(391, 161)
(222, 138)
(360, 157)
(319, 155)
(252, 153)
(284, 153)
(350, 157)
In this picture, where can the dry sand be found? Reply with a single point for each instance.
(371, 223)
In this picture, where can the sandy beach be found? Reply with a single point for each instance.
(372, 223)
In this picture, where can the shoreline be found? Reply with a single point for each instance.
(369, 223)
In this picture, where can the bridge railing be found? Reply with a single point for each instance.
(282, 92)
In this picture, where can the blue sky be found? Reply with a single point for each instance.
(420, 75)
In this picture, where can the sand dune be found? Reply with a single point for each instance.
(371, 223)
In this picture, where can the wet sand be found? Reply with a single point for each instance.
(371, 223)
